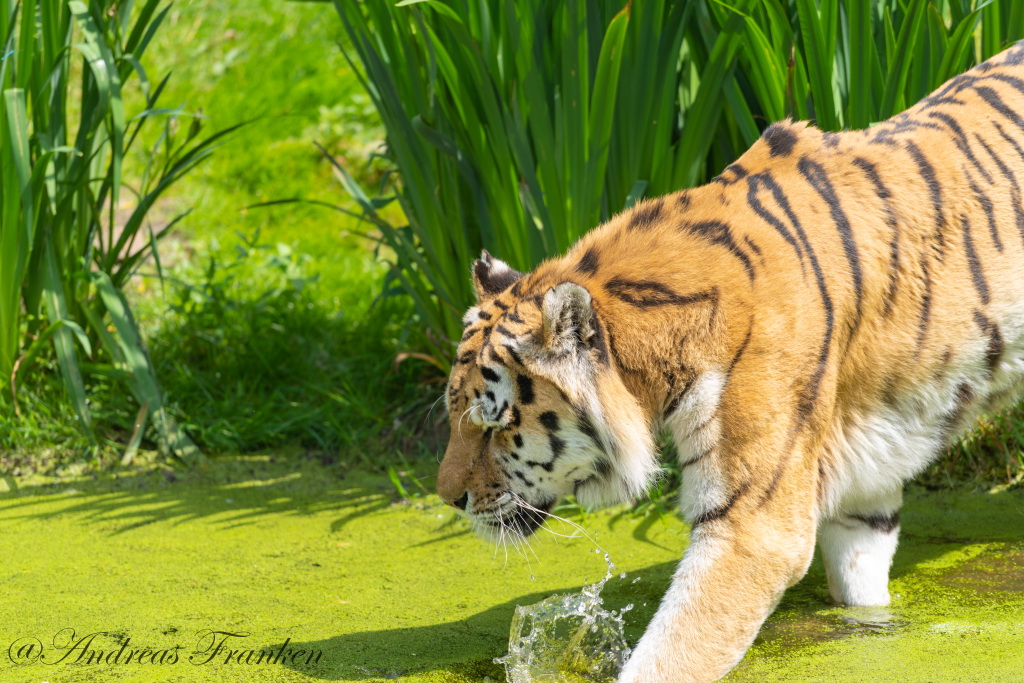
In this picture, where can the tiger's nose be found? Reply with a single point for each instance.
(461, 502)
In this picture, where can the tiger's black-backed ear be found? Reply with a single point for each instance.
(492, 276)
(568, 318)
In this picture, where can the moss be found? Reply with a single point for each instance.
(328, 559)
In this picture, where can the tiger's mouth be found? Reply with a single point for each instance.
(522, 519)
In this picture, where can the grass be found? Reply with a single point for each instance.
(224, 326)
(246, 287)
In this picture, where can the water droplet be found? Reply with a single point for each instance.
(622, 575)
(635, 580)
(532, 578)
(566, 637)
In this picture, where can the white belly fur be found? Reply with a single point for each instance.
(880, 451)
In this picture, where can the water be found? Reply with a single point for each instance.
(567, 639)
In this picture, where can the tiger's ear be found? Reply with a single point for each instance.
(492, 276)
(568, 319)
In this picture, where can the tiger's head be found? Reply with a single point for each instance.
(537, 409)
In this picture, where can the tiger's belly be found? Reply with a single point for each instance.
(878, 451)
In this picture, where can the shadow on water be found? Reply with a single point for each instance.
(468, 646)
(232, 491)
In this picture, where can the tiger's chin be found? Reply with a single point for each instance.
(520, 521)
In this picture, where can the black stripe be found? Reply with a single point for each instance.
(469, 333)
(885, 524)
(1015, 55)
(1009, 140)
(722, 511)
(884, 134)
(588, 264)
(697, 458)
(743, 347)
(964, 397)
(548, 466)
(961, 141)
(924, 320)
(818, 179)
(890, 218)
(615, 354)
(505, 332)
(1015, 196)
(599, 342)
(934, 190)
(645, 215)
(513, 353)
(465, 358)
(576, 485)
(648, 293)
(720, 233)
(996, 345)
(822, 481)
(586, 427)
(1012, 81)
(684, 199)
(754, 184)
(773, 485)
(809, 395)
(996, 102)
(977, 276)
(946, 94)
(831, 139)
(529, 484)
(525, 385)
(780, 138)
(737, 172)
(557, 447)
(674, 400)
(986, 206)
(500, 304)
(550, 420)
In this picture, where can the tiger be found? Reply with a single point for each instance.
(811, 328)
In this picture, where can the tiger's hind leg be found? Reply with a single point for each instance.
(857, 545)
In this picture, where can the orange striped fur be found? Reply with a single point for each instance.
(812, 327)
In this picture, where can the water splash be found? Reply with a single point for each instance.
(567, 639)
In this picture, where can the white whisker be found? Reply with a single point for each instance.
(519, 499)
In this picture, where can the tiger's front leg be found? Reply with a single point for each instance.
(742, 557)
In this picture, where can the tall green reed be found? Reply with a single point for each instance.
(72, 232)
(518, 126)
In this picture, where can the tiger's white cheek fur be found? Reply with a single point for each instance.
(553, 463)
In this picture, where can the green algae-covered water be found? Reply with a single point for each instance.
(264, 570)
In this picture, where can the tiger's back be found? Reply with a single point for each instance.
(813, 327)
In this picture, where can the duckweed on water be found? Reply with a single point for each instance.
(326, 559)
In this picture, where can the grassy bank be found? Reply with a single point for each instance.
(267, 328)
